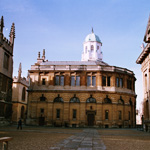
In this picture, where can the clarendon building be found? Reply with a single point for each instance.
(144, 60)
(81, 93)
(6, 70)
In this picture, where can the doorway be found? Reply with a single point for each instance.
(91, 119)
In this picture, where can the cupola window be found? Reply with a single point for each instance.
(92, 47)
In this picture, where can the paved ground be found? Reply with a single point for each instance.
(89, 139)
(45, 138)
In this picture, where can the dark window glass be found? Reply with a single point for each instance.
(57, 80)
(77, 80)
(129, 84)
(4, 84)
(120, 115)
(42, 98)
(43, 81)
(93, 80)
(88, 80)
(42, 110)
(117, 82)
(121, 82)
(23, 93)
(108, 81)
(72, 80)
(103, 81)
(129, 115)
(106, 114)
(6, 61)
(92, 47)
(58, 113)
(74, 113)
(62, 80)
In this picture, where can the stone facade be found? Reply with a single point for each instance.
(19, 97)
(81, 94)
(6, 70)
(144, 60)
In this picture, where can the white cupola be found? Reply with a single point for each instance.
(92, 48)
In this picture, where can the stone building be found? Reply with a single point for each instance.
(144, 60)
(19, 97)
(81, 93)
(6, 70)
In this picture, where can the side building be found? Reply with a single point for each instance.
(19, 97)
(81, 93)
(144, 60)
(6, 70)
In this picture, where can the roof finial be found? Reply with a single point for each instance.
(12, 33)
(19, 72)
(1, 25)
(92, 30)
(43, 54)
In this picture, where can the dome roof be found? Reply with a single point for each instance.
(92, 37)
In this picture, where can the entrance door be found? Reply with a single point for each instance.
(91, 118)
(41, 121)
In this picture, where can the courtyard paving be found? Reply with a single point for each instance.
(45, 138)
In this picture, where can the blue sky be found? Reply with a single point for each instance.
(60, 27)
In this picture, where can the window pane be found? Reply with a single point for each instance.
(119, 115)
(74, 113)
(58, 113)
(62, 80)
(108, 81)
(93, 80)
(88, 80)
(103, 81)
(121, 82)
(106, 114)
(77, 80)
(72, 80)
(57, 80)
(117, 82)
(43, 81)
(6, 61)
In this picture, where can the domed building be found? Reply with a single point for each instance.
(81, 93)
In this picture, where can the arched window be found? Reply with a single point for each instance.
(92, 47)
(107, 100)
(91, 100)
(23, 93)
(85, 49)
(58, 99)
(120, 101)
(74, 99)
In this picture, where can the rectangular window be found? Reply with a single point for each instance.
(129, 115)
(88, 80)
(57, 80)
(108, 81)
(72, 80)
(93, 80)
(4, 83)
(117, 82)
(106, 114)
(129, 84)
(42, 110)
(62, 80)
(58, 113)
(103, 81)
(74, 113)
(6, 61)
(120, 115)
(43, 81)
(121, 82)
(77, 80)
